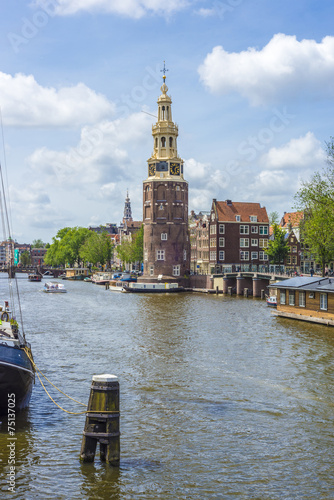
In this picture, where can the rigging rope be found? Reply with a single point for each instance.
(27, 351)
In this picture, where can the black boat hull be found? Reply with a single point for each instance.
(16, 378)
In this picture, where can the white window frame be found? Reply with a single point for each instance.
(213, 229)
(160, 254)
(263, 256)
(302, 299)
(221, 228)
(254, 229)
(323, 302)
(213, 256)
(164, 236)
(237, 218)
(221, 255)
(244, 229)
(222, 242)
(282, 297)
(264, 230)
(151, 270)
(292, 298)
(263, 243)
(176, 270)
(244, 242)
(254, 255)
(244, 255)
(253, 218)
(184, 254)
(254, 242)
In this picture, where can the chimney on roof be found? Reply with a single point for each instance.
(229, 203)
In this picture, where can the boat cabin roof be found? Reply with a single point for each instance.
(314, 284)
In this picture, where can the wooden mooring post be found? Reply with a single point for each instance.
(102, 421)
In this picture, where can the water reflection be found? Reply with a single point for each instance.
(219, 398)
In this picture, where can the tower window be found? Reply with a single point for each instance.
(163, 142)
(171, 142)
(176, 270)
(156, 142)
(167, 112)
(160, 254)
(163, 112)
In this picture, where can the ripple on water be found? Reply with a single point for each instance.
(219, 398)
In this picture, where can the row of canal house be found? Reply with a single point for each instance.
(231, 237)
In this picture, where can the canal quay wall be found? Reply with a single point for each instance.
(247, 283)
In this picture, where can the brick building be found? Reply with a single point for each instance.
(239, 235)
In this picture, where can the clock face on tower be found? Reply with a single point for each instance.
(175, 169)
(151, 169)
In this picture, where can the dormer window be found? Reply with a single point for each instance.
(237, 218)
(253, 218)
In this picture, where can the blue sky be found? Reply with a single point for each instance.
(252, 89)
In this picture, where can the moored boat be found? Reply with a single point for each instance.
(153, 288)
(101, 278)
(17, 372)
(54, 287)
(116, 286)
(271, 300)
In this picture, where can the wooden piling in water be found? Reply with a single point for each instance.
(102, 421)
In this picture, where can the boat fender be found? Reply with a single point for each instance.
(4, 316)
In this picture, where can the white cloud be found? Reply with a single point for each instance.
(301, 153)
(129, 8)
(195, 170)
(105, 155)
(284, 67)
(26, 103)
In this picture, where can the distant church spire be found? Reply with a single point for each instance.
(127, 209)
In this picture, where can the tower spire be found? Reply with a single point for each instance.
(127, 209)
(164, 71)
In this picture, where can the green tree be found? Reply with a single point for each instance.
(38, 244)
(316, 199)
(273, 218)
(124, 252)
(66, 246)
(138, 246)
(25, 258)
(96, 249)
(278, 248)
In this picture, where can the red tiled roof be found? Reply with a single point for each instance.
(292, 218)
(226, 211)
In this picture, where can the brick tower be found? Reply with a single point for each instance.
(165, 202)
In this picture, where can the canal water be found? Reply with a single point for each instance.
(219, 398)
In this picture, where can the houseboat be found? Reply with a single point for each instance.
(76, 273)
(306, 298)
(153, 288)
